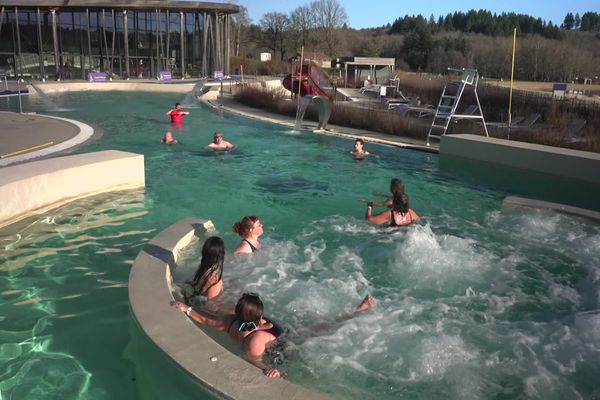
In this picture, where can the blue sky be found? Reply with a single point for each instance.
(372, 13)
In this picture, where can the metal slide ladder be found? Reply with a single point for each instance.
(446, 109)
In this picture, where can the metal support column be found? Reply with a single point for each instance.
(89, 38)
(157, 34)
(126, 42)
(19, 54)
(40, 46)
(55, 40)
(227, 43)
(182, 42)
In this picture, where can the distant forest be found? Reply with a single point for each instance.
(479, 39)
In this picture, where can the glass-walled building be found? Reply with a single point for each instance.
(49, 39)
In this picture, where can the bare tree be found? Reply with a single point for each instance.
(241, 23)
(275, 26)
(302, 22)
(330, 17)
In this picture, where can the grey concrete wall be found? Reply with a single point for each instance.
(38, 186)
(213, 366)
(568, 163)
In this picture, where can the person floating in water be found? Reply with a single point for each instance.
(220, 144)
(208, 279)
(400, 214)
(250, 229)
(168, 139)
(359, 151)
(177, 114)
(248, 326)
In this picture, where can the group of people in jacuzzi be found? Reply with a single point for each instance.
(247, 323)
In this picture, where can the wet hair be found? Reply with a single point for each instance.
(249, 311)
(362, 142)
(400, 203)
(396, 186)
(213, 256)
(177, 104)
(244, 226)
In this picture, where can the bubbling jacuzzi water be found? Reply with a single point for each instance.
(474, 302)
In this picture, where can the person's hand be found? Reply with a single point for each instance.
(179, 305)
(272, 373)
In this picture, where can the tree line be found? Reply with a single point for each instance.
(478, 39)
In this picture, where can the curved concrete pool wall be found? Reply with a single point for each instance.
(38, 186)
(150, 291)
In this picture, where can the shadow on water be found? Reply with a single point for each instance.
(283, 185)
(522, 182)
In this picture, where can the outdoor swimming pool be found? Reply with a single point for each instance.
(475, 302)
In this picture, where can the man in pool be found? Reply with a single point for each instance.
(177, 114)
(168, 139)
(220, 144)
(359, 151)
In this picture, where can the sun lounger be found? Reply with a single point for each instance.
(371, 88)
(517, 122)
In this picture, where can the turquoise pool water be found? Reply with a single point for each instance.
(475, 302)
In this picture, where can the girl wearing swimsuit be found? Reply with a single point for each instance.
(400, 214)
(208, 279)
(248, 326)
(250, 229)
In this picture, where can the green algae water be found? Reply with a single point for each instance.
(474, 302)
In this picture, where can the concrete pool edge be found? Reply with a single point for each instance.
(35, 187)
(512, 201)
(150, 291)
(568, 163)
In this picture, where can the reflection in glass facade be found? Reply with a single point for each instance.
(127, 41)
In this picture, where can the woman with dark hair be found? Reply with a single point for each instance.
(250, 229)
(248, 326)
(400, 214)
(396, 186)
(208, 280)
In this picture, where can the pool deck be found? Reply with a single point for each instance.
(28, 136)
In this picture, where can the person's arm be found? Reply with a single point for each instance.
(202, 318)
(414, 216)
(381, 218)
(169, 112)
(183, 112)
(255, 349)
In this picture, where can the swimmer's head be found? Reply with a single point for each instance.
(358, 144)
(249, 311)
(246, 226)
(400, 202)
(396, 186)
(177, 105)
(218, 137)
(168, 136)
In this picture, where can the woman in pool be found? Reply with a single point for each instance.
(396, 186)
(248, 326)
(250, 229)
(400, 214)
(168, 139)
(208, 279)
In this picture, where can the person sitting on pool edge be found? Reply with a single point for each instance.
(250, 229)
(396, 186)
(399, 215)
(177, 114)
(220, 144)
(168, 139)
(248, 326)
(359, 151)
(208, 279)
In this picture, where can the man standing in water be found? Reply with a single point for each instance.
(220, 144)
(177, 114)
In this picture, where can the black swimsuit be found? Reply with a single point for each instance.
(251, 245)
(275, 330)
